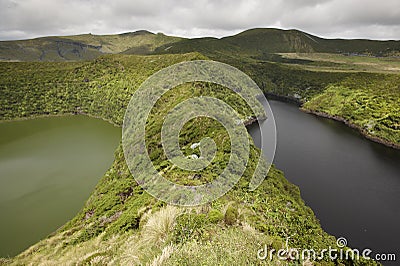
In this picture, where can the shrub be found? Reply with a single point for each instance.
(231, 215)
(160, 225)
(215, 216)
(127, 221)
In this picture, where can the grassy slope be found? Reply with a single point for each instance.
(82, 47)
(47, 49)
(269, 41)
(122, 224)
(295, 41)
(339, 62)
(369, 102)
(139, 42)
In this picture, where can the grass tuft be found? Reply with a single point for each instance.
(160, 225)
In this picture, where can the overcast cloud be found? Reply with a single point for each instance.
(21, 19)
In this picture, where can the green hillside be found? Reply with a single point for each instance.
(122, 224)
(82, 47)
(273, 41)
(257, 42)
(295, 41)
(370, 103)
(47, 49)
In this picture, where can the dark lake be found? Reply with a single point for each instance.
(48, 168)
(352, 184)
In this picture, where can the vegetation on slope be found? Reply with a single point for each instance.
(82, 47)
(100, 88)
(339, 62)
(122, 224)
(138, 42)
(295, 41)
(371, 103)
(261, 41)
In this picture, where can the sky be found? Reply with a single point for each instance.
(371, 19)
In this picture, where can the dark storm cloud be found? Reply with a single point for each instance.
(328, 18)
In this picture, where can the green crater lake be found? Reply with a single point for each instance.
(48, 168)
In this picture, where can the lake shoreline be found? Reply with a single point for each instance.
(359, 129)
(286, 99)
(16, 119)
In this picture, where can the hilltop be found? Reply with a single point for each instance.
(269, 40)
(82, 47)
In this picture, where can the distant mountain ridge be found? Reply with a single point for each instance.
(82, 47)
(291, 41)
(253, 42)
(268, 41)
